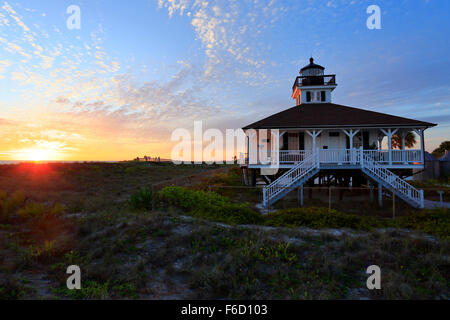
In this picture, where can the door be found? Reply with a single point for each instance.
(366, 144)
(293, 141)
(301, 141)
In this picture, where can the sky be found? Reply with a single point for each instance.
(117, 87)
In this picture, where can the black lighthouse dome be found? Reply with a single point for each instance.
(312, 69)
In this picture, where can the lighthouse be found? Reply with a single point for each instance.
(317, 137)
(313, 86)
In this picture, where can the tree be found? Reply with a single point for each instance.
(410, 140)
(440, 151)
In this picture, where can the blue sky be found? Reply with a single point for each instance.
(138, 69)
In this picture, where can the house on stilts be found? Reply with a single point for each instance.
(343, 145)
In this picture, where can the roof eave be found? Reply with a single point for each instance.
(368, 126)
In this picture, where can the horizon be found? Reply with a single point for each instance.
(116, 88)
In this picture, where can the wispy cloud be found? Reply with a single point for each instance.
(229, 32)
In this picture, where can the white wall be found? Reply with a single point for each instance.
(327, 95)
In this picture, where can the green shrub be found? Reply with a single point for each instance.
(10, 204)
(435, 222)
(57, 209)
(32, 209)
(142, 199)
(209, 205)
(319, 218)
(213, 206)
(231, 178)
(38, 209)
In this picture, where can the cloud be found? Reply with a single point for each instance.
(230, 35)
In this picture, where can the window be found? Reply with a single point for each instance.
(323, 96)
(308, 96)
(334, 134)
(318, 96)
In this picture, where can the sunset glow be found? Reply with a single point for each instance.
(97, 93)
(38, 155)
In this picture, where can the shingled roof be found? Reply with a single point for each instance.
(323, 115)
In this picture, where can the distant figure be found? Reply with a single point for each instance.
(159, 159)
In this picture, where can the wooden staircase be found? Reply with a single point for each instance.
(392, 182)
(296, 176)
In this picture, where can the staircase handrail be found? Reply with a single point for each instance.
(392, 180)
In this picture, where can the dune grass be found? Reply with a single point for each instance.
(197, 244)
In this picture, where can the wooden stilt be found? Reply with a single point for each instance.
(380, 195)
(393, 205)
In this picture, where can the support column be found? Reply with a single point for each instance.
(351, 133)
(250, 151)
(422, 144)
(380, 142)
(370, 192)
(275, 147)
(389, 134)
(403, 147)
(380, 195)
(257, 147)
(279, 144)
(403, 136)
(253, 177)
(422, 140)
(300, 195)
(314, 134)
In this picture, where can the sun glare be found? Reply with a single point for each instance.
(37, 155)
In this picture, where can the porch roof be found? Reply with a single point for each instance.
(330, 115)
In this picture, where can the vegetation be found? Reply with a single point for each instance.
(231, 178)
(142, 199)
(440, 151)
(432, 186)
(410, 140)
(209, 205)
(218, 208)
(15, 206)
(435, 222)
(319, 218)
(202, 244)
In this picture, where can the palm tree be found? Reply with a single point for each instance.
(410, 140)
(439, 152)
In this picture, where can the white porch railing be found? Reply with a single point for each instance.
(335, 156)
(293, 156)
(339, 156)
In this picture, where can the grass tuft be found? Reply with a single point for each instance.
(142, 199)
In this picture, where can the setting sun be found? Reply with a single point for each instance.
(38, 154)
